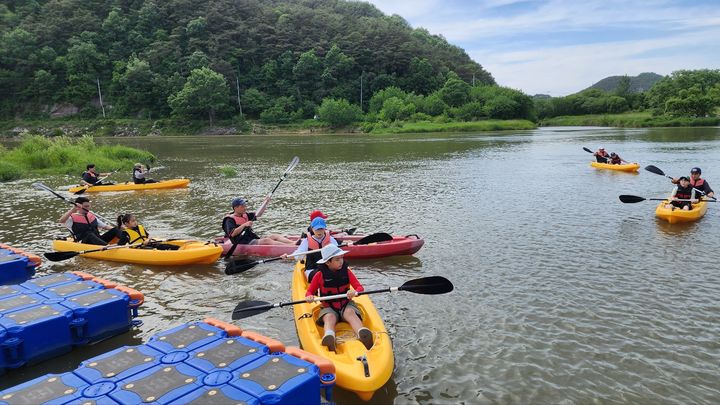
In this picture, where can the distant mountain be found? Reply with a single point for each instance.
(638, 84)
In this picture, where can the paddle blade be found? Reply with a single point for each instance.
(587, 150)
(630, 199)
(374, 238)
(294, 162)
(350, 231)
(428, 285)
(81, 191)
(653, 169)
(247, 309)
(59, 256)
(239, 266)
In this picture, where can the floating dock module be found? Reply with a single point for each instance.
(209, 362)
(47, 316)
(16, 265)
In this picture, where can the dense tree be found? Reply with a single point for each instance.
(306, 50)
(204, 93)
(338, 112)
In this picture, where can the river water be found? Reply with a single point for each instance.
(563, 294)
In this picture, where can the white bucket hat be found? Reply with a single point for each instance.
(330, 251)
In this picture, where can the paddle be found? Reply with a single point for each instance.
(348, 231)
(607, 159)
(84, 189)
(631, 199)
(427, 285)
(41, 186)
(60, 256)
(294, 162)
(239, 266)
(656, 170)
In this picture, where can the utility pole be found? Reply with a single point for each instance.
(361, 90)
(237, 85)
(100, 94)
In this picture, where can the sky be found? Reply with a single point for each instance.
(559, 47)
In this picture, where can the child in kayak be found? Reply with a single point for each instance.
(683, 191)
(319, 238)
(615, 159)
(335, 277)
(134, 233)
(91, 177)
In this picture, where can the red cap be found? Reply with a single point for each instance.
(317, 213)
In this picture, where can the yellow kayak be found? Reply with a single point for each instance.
(129, 186)
(349, 371)
(190, 252)
(679, 215)
(630, 167)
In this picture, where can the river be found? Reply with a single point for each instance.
(563, 294)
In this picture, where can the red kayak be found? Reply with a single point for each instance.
(399, 245)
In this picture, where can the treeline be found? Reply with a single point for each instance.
(684, 93)
(272, 59)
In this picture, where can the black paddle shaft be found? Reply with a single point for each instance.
(432, 285)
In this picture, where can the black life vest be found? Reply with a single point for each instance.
(333, 283)
(615, 160)
(684, 193)
(312, 258)
(90, 177)
(84, 224)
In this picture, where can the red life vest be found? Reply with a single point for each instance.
(333, 283)
(313, 244)
(82, 224)
(698, 184)
(238, 219)
(312, 258)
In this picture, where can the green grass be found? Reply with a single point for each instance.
(37, 154)
(629, 120)
(228, 171)
(474, 126)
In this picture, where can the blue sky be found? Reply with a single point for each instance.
(559, 47)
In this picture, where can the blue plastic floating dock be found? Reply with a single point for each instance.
(47, 316)
(16, 265)
(209, 362)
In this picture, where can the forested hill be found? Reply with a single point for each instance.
(638, 84)
(287, 54)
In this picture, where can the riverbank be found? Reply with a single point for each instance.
(169, 127)
(41, 155)
(628, 120)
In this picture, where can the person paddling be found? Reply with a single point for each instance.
(139, 174)
(615, 159)
(91, 177)
(237, 226)
(698, 183)
(335, 277)
(683, 191)
(601, 156)
(84, 224)
(317, 239)
(135, 234)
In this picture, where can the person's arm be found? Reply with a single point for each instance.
(354, 282)
(314, 286)
(103, 225)
(708, 191)
(124, 238)
(302, 248)
(674, 192)
(263, 206)
(693, 195)
(66, 216)
(333, 241)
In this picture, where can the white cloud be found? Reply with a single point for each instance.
(534, 66)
